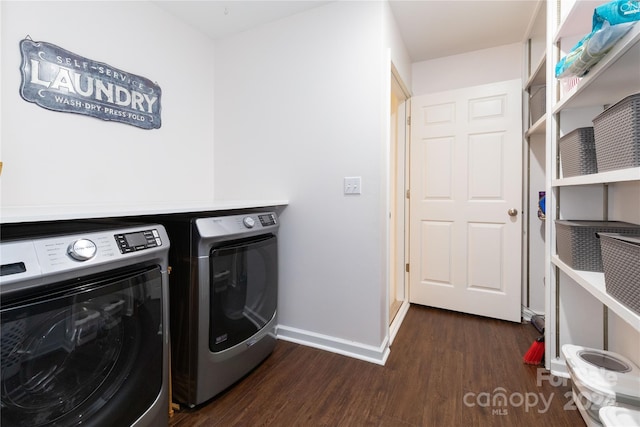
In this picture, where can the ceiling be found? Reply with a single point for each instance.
(433, 29)
(430, 28)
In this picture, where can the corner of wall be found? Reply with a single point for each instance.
(399, 53)
(368, 353)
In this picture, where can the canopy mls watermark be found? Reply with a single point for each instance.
(500, 401)
(59, 80)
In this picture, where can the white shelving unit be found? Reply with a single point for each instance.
(578, 308)
(594, 283)
(622, 175)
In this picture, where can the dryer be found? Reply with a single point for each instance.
(224, 294)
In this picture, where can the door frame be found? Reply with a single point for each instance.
(403, 144)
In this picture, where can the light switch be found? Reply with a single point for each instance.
(352, 185)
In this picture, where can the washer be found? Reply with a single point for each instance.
(84, 312)
(224, 294)
(601, 378)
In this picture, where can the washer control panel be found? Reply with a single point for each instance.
(137, 241)
(82, 249)
(249, 222)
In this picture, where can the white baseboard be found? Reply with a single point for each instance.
(369, 353)
(397, 321)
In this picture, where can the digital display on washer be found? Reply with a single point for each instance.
(137, 241)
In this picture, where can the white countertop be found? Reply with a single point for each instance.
(65, 212)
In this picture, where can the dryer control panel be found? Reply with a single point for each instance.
(267, 219)
(237, 225)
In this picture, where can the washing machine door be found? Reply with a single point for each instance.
(83, 352)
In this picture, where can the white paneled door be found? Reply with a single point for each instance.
(466, 195)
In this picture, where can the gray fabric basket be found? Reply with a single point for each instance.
(578, 245)
(617, 135)
(621, 260)
(537, 102)
(578, 153)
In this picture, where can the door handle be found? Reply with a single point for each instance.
(512, 212)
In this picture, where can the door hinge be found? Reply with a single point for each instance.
(406, 268)
(408, 120)
(408, 194)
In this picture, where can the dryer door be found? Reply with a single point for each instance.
(243, 290)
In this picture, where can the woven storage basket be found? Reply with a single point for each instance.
(617, 135)
(578, 153)
(621, 260)
(537, 102)
(578, 245)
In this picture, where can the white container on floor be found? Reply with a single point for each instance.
(615, 416)
(601, 378)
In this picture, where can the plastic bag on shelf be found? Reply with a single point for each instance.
(616, 12)
(611, 21)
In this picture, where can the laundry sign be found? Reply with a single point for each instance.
(59, 80)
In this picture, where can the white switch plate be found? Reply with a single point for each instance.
(352, 185)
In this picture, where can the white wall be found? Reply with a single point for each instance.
(300, 104)
(468, 69)
(61, 161)
(398, 51)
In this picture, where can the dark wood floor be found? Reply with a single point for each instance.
(445, 369)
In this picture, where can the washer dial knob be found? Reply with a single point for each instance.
(82, 249)
(249, 222)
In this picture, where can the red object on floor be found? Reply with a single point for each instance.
(534, 355)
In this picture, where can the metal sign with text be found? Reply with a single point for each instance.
(59, 80)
